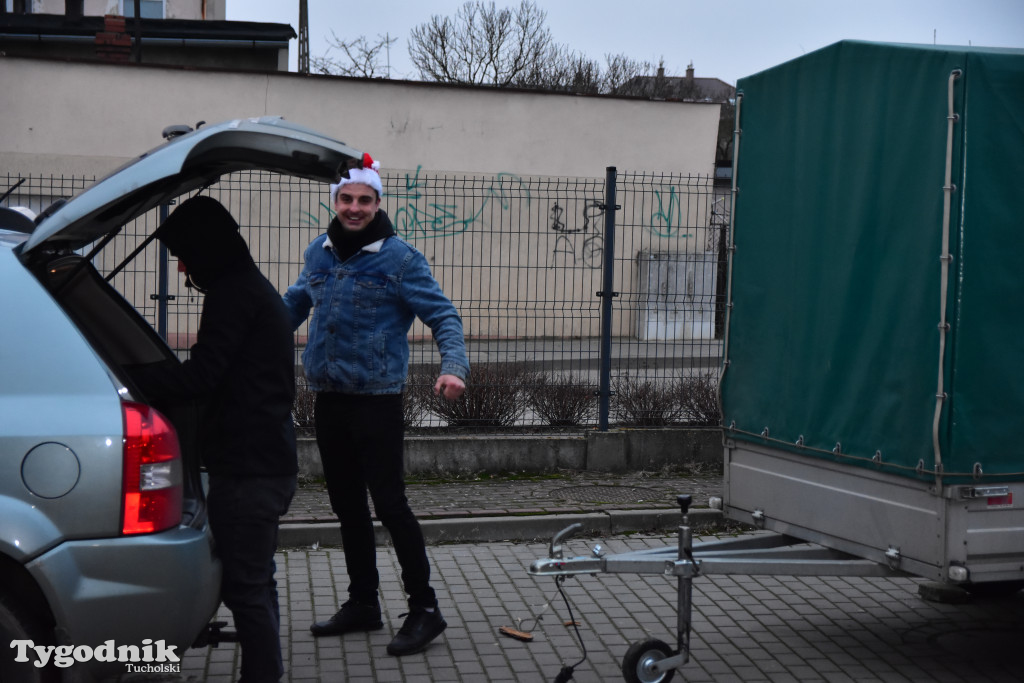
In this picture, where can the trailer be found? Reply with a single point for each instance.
(873, 379)
(872, 384)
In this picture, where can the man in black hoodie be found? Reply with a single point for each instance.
(243, 367)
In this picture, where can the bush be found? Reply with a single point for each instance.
(653, 403)
(645, 403)
(416, 398)
(494, 398)
(698, 398)
(303, 408)
(561, 400)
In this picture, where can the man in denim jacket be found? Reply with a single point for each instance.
(366, 286)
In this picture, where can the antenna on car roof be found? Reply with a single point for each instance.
(171, 132)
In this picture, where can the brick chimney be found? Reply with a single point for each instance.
(113, 43)
(689, 74)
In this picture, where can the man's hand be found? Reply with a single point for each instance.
(449, 386)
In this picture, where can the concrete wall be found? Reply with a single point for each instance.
(525, 150)
(76, 118)
(620, 450)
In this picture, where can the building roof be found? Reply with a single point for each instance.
(57, 26)
(714, 89)
(686, 87)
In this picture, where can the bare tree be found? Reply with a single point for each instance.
(362, 58)
(564, 71)
(482, 44)
(626, 76)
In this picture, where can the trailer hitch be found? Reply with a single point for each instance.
(556, 564)
(213, 635)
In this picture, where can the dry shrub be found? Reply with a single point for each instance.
(646, 402)
(691, 400)
(303, 408)
(494, 398)
(561, 400)
(416, 398)
(698, 398)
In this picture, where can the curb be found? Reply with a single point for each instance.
(507, 528)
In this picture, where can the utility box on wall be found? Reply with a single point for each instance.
(677, 295)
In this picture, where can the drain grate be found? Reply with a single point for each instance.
(605, 494)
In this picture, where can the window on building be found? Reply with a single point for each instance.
(148, 9)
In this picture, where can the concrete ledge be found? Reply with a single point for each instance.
(617, 450)
(509, 528)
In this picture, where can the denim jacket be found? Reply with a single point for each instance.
(363, 309)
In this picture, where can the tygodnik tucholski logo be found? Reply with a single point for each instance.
(149, 657)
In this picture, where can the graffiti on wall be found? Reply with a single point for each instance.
(668, 221)
(311, 220)
(569, 248)
(416, 219)
(577, 242)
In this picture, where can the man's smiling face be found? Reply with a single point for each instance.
(356, 205)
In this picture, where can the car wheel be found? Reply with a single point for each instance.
(16, 624)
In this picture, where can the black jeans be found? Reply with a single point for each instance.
(244, 514)
(361, 438)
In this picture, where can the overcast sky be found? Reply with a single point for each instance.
(726, 39)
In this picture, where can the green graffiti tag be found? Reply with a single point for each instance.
(312, 220)
(417, 219)
(668, 223)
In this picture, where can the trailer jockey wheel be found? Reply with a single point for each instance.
(637, 665)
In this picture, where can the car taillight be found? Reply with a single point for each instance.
(152, 483)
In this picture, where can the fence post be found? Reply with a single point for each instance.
(161, 299)
(606, 294)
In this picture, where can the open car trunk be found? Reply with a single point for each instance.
(125, 340)
(89, 221)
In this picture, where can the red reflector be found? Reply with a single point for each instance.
(1001, 501)
(149, 439)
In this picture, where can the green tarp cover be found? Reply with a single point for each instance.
(834, 329)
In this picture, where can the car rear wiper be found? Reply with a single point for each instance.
(12, 189)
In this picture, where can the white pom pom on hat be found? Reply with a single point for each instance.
(369, 174)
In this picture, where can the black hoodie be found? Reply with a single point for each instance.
(243, 361)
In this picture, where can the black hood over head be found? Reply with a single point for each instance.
(204, 236)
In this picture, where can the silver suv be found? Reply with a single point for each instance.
(104, 544)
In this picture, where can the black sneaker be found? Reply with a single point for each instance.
(353, 616)
(419, 629)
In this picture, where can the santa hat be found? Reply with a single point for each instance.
(367, 175)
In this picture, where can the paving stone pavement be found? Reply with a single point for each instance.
(563, 493)
(746, 628)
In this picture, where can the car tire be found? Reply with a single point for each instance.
(17, 624)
